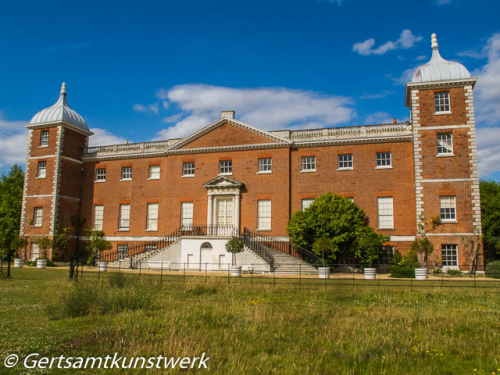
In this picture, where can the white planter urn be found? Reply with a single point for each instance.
(421, 274)
(41, 263)
(236, 271)
(324, 272)
(103, 266)
(370, 273)
(18, 263)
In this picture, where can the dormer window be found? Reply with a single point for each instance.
(442, 102)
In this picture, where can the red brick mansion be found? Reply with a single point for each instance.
(234, 174)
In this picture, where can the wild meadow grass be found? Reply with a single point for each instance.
(251, 329)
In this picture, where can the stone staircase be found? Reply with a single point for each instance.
(289, 265)
(136, 260)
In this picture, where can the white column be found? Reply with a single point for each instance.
(237, 211)
(209, 210)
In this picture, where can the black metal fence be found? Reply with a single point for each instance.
(255, 274)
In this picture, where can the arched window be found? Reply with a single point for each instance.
(206, 246)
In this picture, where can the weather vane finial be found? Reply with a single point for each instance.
(63, 88)
(434, 41)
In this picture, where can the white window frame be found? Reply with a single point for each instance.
(44, 138)
(124, 218)
(154, 172)
(225, 167)
(384, 160)
(126, 174)
(449, 255)
(345, 162)
(100, 175)
(37, 216)
(308, 163)
(448, 209)
(442, 104)
(444, 143)
(187, 214)
(98, 220)
(385, 207)
(41, 169)
(265, 165)
(152, 217)
(188, 169)
(264, 214)
(306, 203)
(34, 254)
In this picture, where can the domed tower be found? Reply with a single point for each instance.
(440, 96)
(57, 139)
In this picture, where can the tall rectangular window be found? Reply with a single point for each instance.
(384, 160)
(447, 208)
(445, 144)
(98, 216)
(345, 161)
(442, 101)
(306, 203)
(100, 174)
(225, 167)
(449, 254)
(188, 169)
(126, 173)
(44, 138)
(124, 221)
(154, 172)
(35, 251)
(42, 169)
(152, 216)
(37, 216)
(186, 215)
(308, 163)
(265, 165)
(385, 213)
(122, 251)
(264, 214)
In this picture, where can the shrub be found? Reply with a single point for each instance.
(493, 269)
(404, 266)
(451, 272)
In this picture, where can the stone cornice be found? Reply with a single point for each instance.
(59, 123)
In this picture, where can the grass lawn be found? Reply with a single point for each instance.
(250, 329)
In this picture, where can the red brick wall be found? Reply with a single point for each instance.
(228, 135)
(457, 107)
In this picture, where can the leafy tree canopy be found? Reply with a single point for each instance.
(339, 220)
(11, 193)
(490, 213)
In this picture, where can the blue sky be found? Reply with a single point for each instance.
(155, 70)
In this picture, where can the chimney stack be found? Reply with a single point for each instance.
(394, 121)
(228, 114)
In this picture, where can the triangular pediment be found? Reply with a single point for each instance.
(227, 133)
(223, 182)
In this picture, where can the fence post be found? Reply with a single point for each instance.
(81, 273)
(161, 273)
(206, 268)
(352, 270)
(274, 277)
(411, 284)
(474, 281)
(300, 274)
(251, 281)
(184, 271)
(228, 270)
(140, 268)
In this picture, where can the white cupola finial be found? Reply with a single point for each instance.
(434, 41)
(63, 88)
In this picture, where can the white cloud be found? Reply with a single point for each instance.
(266, 108)
(173, 118)
(379, 118)
(335, 2)
(444, 2)
(488, 150)
(406, 40)
(487, 91)
(382, 94)
(404, 78)
(142, 108)
(13, 141)
(103, 137)
(421, 57)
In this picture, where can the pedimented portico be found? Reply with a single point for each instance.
(224, 195)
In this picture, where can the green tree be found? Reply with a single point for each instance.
(369, 245)
(234, 246)
(45, 243)
(95, 244)
(490, 215)
(60, 242)
(11, 193)
(325, 247)
(329, 216)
